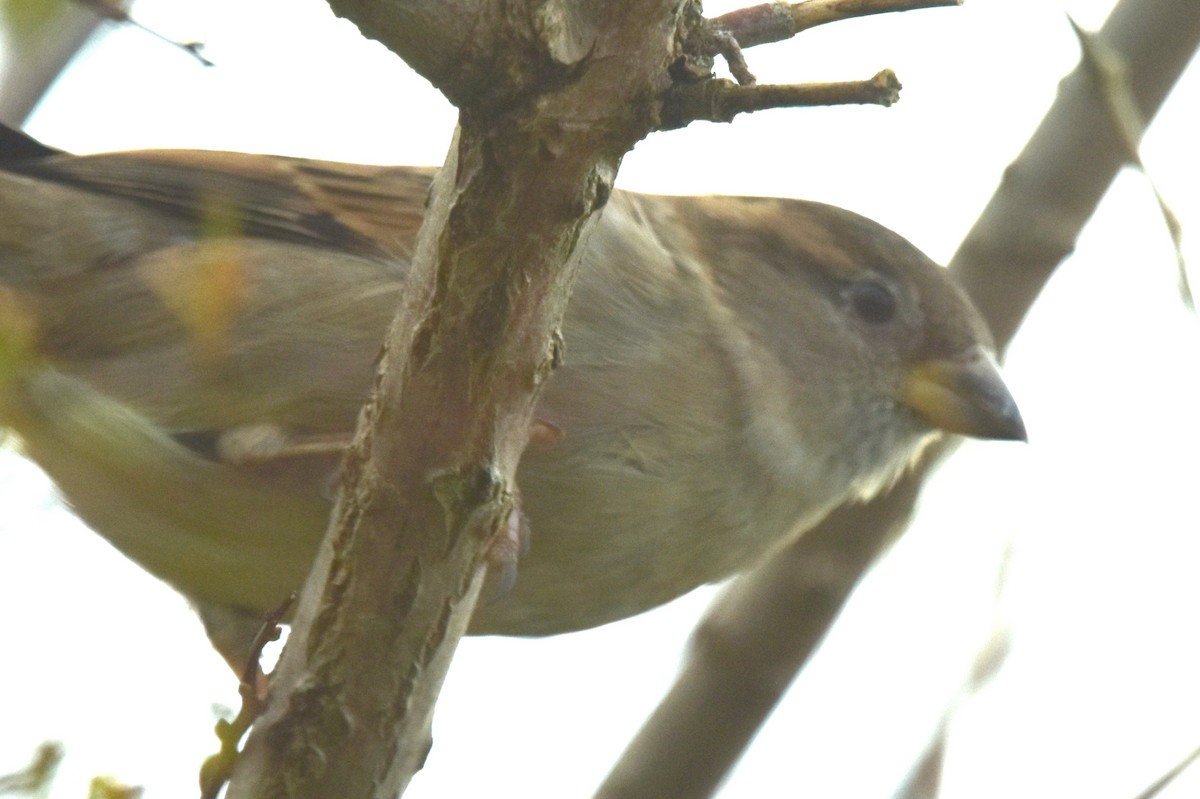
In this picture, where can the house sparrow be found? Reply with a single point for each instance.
(186, 339)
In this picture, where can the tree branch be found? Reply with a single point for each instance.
(115, 11)
(722, 100)
(428, 485)
(759, 633)
(775, 22)
(479, 53)
(42, 54)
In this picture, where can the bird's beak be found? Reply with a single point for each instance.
(964, 395)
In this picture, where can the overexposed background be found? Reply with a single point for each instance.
(1099, 511)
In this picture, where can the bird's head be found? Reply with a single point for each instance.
(881, 349)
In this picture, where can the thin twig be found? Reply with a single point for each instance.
(115, 11)
(924, 781)
(775, 22)
(218, 768)
(722, 100)
(727, 46)
(1156, 788)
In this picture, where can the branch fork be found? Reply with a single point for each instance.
(698, 95)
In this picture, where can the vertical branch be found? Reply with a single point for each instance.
(428, 485)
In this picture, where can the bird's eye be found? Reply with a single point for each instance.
(873, 302)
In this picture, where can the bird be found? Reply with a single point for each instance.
(186, 338)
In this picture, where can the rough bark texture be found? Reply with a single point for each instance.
(550, 101)
(760, 633)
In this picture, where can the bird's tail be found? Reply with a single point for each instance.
(201, 526)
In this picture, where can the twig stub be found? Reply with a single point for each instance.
(722, 100)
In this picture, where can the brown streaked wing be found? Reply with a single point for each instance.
(372, 211)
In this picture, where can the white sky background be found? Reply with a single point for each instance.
(1100, 694)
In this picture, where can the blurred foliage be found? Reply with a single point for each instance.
(110, 788)
(22, 18)
(36, 778)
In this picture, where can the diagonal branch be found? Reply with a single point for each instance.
(760, 633)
